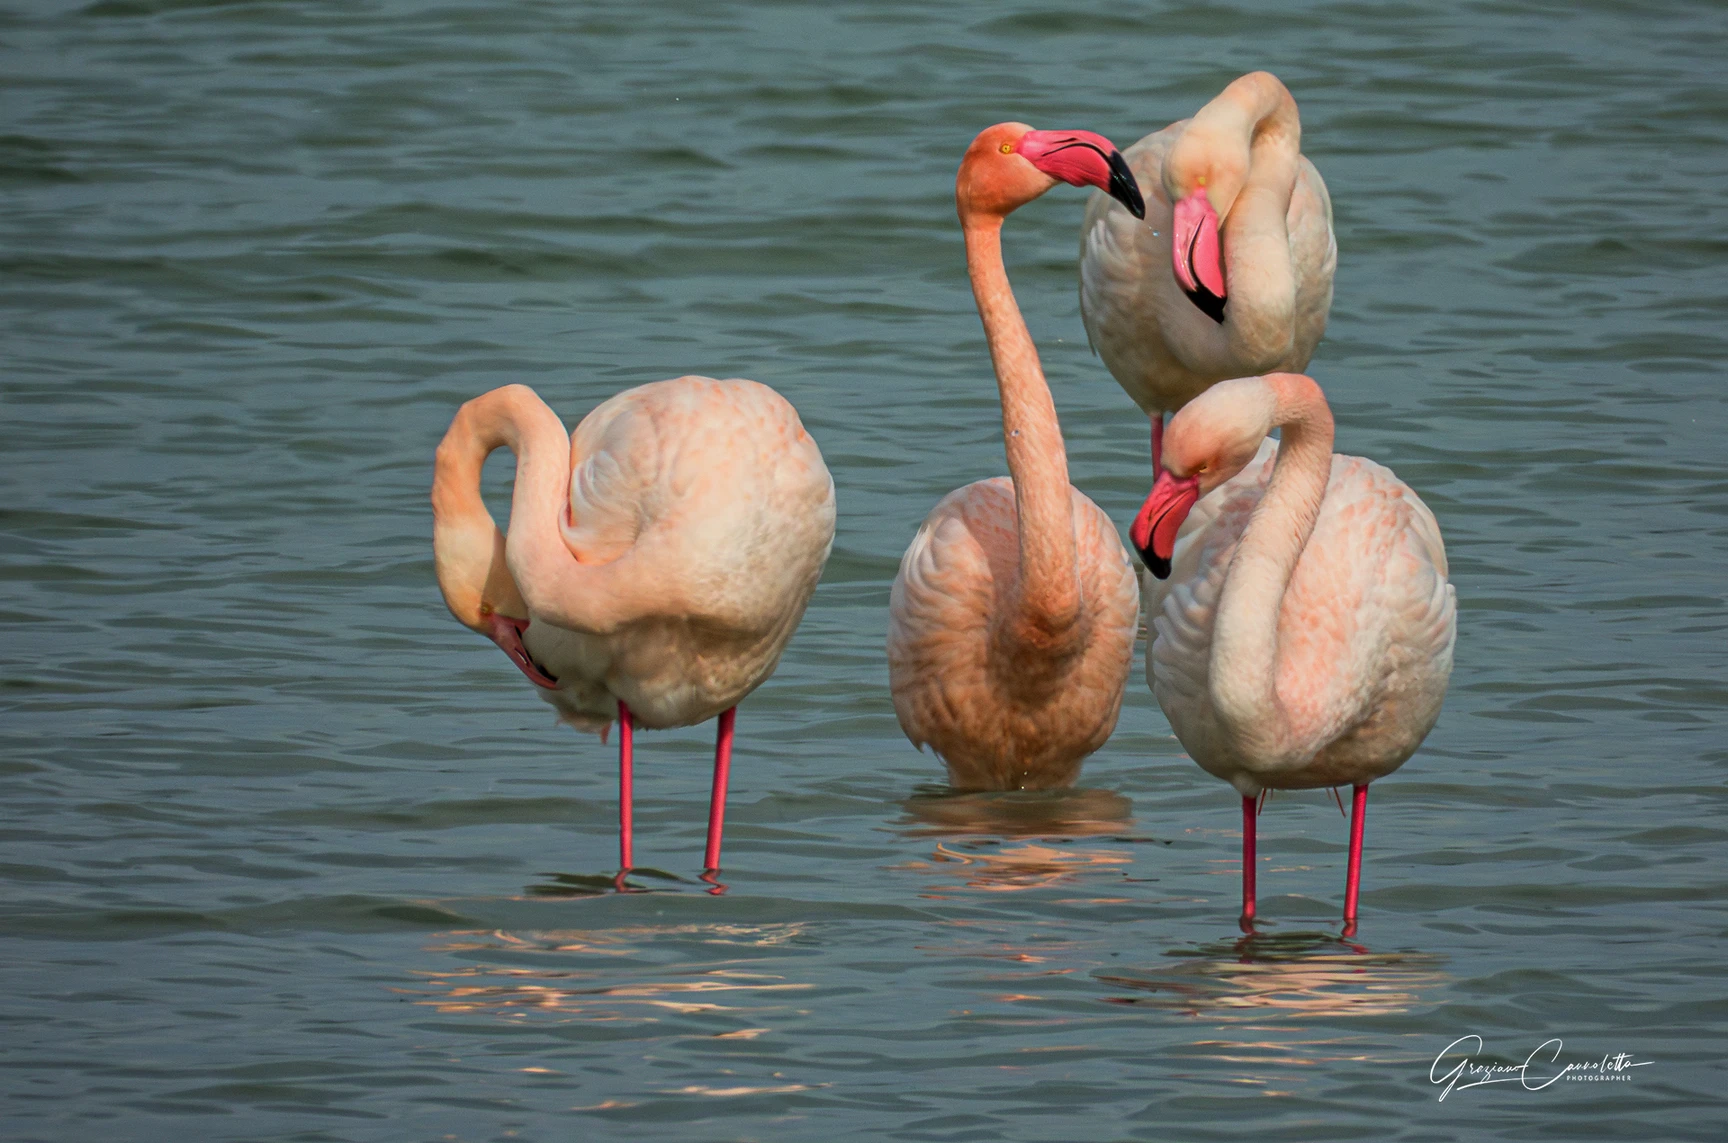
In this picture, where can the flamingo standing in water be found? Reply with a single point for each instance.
(658, 559)
(1012, 621)
(1230, 274)
(1305, 631)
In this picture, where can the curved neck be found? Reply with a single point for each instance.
(468, 550)
(1048, 589)
(1244, 671)
(1247, 146)
(535, 571)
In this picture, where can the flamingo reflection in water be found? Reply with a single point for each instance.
(1280, 994)
(1015, 867)
(1066, 812)
(1003, 841)
(1313, 974)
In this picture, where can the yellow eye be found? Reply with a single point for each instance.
(1007, 148)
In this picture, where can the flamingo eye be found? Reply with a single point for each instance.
(1007, 148)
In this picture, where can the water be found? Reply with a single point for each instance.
(289, 855)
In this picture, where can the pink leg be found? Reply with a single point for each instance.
(626, 781)
(717, 800)
(1249, 810)
(1157, 441)
(1353, 879)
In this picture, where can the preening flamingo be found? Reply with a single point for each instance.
(1230, 274)
(658, 559)
(1012, 621)
(1304, 621)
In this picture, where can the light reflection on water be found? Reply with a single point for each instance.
(557, 988)
(518, 991)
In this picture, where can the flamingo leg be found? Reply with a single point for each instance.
(1249, 812)
(717, 800)
(1353, 879)
(626, 782)
(1157, 440)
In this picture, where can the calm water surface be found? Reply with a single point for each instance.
(288, 855)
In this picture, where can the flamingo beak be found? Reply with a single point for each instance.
(1153, 532)
(1084, 159)
(506, 631)
(1123, 187)
(1198, 254)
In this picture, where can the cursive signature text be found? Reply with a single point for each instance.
(1456, 1067)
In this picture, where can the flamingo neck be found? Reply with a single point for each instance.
(1047, 591)
(532, 573)
(1244, 671)
(597, 591)
(468, 550)
(536, 571)
(1247, 145)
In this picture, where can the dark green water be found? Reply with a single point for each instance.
(288, 855)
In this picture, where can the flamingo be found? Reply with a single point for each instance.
(1012, 619)
(1304, 620)
(1230, 275)
(658, 559)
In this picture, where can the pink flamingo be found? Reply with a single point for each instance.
(1012, 621)
(1230, 275)
(1304, 636)
(658, 559)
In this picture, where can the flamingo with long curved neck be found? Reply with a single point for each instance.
(1230, 274)
(658, 559)
(1304, 622)
(1012, 620)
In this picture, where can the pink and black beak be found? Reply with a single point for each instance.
(506, 631)
(1084, 159)
(1153, 532)
(1197, 251)
(1123, 187)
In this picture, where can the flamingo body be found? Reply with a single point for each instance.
(1364, 633)
(1012, 620)
(1304, 621)
(727, 468)
(658, 559)
(1163, 350)
(997, 721)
